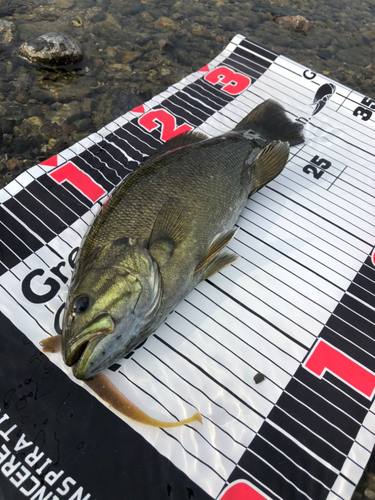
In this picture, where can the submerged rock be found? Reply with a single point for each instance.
(296, 23)
(166, 23)
(51, 49)
(30, 127)
(8, 32)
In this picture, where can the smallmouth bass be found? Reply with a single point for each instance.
(163, 231)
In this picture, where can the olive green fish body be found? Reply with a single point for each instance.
(162, 233)
(205, 182)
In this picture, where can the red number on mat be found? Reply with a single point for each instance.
(80, 180)
(241, 490)
(235, 83)
(151, 120)
(326, 357)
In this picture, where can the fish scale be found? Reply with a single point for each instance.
(202, 181)
(163, 232)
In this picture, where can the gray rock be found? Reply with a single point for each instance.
(113, 104)
(344, 41)
(67, 113)
(12, 110)
(361, 56)
(296, 23)
(66, 4)
(315, 40)
(51, 49)
(8, 32)
(6, 126)
(356, 496)
(324, 54)
(84, 125)
(98, 17)
(258, 378)
(7, 10)
(369, 494)
(30, 127)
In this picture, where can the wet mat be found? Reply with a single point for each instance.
(296, 311)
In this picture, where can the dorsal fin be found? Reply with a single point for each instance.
(268, 164)
(177, 142)
(218, 244)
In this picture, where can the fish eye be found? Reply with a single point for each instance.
(81, 304)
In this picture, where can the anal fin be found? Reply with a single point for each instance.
(217, 263)
(218, 244)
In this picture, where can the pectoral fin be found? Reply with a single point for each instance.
(170, 229)
(221, 241)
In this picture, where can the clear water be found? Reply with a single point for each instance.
(135, 49)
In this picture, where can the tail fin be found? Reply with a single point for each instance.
(271, 122)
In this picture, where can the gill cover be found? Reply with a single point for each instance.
(114, 296)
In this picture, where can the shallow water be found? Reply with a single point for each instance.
(135, 49)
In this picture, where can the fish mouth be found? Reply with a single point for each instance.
(87, 339)
(79, 347)
(83, 368)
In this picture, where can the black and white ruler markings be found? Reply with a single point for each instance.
(298, 306)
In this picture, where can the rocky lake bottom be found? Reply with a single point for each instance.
(133, 50)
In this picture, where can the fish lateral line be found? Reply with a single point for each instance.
(108, 392)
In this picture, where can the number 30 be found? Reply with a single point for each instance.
(234, 83)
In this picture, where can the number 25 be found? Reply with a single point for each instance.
(319, 162)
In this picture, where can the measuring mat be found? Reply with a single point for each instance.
(296, 311)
